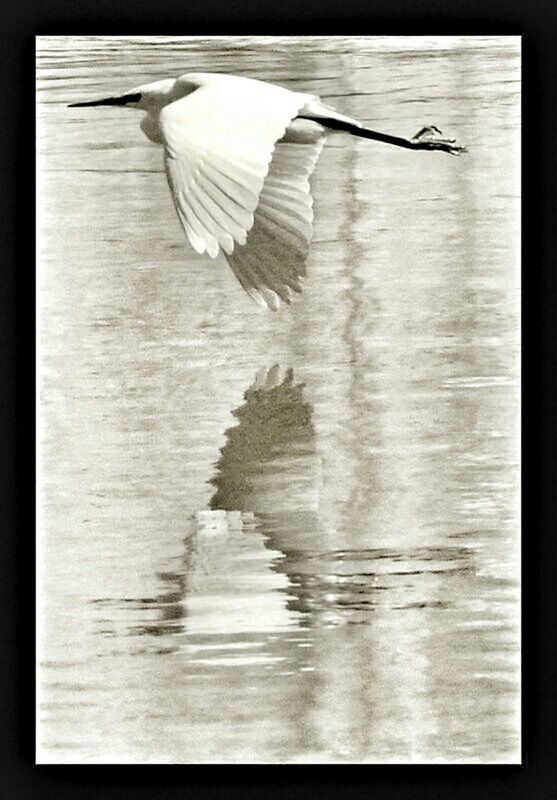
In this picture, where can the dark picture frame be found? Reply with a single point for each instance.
(20, 777)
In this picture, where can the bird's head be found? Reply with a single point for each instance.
(149, 97)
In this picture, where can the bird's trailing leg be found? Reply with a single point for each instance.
(431, 138)
(428, 138)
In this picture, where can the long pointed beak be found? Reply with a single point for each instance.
(110, 101)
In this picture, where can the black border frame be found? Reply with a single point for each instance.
(17, 358)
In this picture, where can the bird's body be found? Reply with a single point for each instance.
(238, 156)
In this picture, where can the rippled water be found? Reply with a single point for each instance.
(294, 536)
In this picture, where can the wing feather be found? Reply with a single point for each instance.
(272, 264)
(241, 197)
(219, 142)
(211, 220)
(233, 217)
(267, 278)
(200, 238)
(278, 227)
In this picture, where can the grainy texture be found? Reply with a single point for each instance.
(241, 568)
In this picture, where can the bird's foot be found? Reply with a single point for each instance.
(431, 138)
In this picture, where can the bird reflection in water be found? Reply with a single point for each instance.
(270, 467)
(252, 535)
(233, 579)
(268, 461)
(263, 530)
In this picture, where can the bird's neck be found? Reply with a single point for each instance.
(151, 127)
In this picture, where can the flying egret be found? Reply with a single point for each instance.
(238, 154)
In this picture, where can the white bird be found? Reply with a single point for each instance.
(238, 156)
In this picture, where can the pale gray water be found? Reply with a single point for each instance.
(314, 561)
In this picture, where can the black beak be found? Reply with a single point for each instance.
(110, 101)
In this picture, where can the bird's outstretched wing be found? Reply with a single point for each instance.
(272, 263)
(219, 141)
